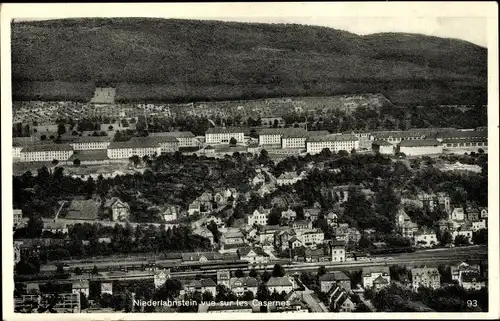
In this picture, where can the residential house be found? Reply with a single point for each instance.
(223, 277)
(204, 232)
(315, 255)
(280, 284)
(326, 281)
(160, 277)
(479, 225)
(312, 238)
(170, 214)
(404, 225)
(254, 255)
(289, 214)
(472, 214)
(258, 179)
(266, 238)
(383, 147)
(302, 225)
(339, 299)
(380, 283)
(287, 178)
(425, 238)
(338, 251)
(81, 286)
(17, 217)
(120, 211)
(444, 225)
(457, 271)
(472, 281)
(294, 243)
(201, 286)
(194, 208)
(245, 284)
(281, 239)
(259, 217)
(55, 227)
(426, 277)
(332, 219)
(464, 230)
(457, 214)
(483, 212)
(106, 288)
(312, 214)
(370, 274)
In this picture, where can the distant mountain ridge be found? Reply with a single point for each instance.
(186, 60)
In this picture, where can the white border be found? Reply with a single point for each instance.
(488, 10)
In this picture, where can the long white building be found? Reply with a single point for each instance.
(420, 147)
(334, 142)
(223, 135)
(139, 146)
(185, 139)
(91, 142)
(46, 152)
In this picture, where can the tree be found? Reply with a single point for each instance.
(343, 153)
(461, 240)
(278, 271)
(248, 296)
(321, 271)
(55, 162)
(135, 160)
(95, 271)
(239, 273)
(43, 137)
(362, 307)
(445, 238)
(78, 271)
(253, 273)
(480, 237)
(274, 217)
(61, 129)
(110, 128)
(233, 141)
(76, 162)
(263, 293)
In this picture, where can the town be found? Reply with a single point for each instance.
(321, 205)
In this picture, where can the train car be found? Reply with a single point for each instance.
(395, 250)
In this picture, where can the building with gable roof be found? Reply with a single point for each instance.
(420, 147)
(245, 284)
(472, 281)
(370, 274)
(119, 210)
(280, 284)
(160, 277)
(328, 280)
(426, 277)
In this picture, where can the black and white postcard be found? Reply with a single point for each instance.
(221, 160)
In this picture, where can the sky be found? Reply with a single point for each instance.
(459, 20)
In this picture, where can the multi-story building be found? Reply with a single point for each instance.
(479, 225)
(185, 139)
(383, 147)
(312, 237)
(472, 281)
(201, 286)
(240, 286)
(289, 214)
(160, 277)
(420, 147)
(46, 152)
(91, 142)
(457, 214)
(396, 137)
(326, 281)
(253, 255)
(223, 277)
(280, 284)
(139, 146)
(404, 225)
(338, 251)
(333, 142)
(288, 178)
(81, 287)
(272, 136)
(120, 211)
(369, 275)
(425, 238)
(168, 144)
(66, 303)
(17, 217)
(223, 135)
(426, 277)
(458, 270)
(259, 217)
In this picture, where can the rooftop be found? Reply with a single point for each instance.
(279, 281)
(332, 138)
(47, 147)
(419, 143)
(224, 130)
(376, 269)
(173, 134)
(90, 155)
(245, 281)
(136, 142)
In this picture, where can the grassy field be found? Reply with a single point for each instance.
(183, 60)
